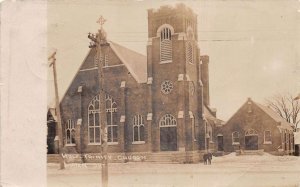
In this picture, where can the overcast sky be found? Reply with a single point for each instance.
(253, 45)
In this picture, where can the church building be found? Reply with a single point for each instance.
(155, 104)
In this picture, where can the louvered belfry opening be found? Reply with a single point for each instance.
(165, 45)
(189, 48)
(189, 52)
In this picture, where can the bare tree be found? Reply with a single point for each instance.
(286, 106)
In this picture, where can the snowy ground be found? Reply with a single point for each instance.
(229, 171)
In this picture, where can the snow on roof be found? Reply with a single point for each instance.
(275, 116)
(209, 116)
(53, 113)
(269, 112)
(136, 63)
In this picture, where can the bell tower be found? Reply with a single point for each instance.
(174, 80)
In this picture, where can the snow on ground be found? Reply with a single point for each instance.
(266, 157)
(226, 171)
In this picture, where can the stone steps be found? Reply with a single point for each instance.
(166, 157)
(250, 152)
(53, 158)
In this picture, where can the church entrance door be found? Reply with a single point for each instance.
(168, 139)
(168, 133)
(220, 143)
(251, 140)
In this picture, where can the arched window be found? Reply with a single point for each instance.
(235, 137)
(70, 132)
(168, 121)
(94, 120)
(251, 132)
(165, 45)
(111, 114)
(138, 128)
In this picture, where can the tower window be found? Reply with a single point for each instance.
(165, 45)
(189, 52)
(189, 48)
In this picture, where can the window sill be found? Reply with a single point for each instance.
(108, 143)
(165, 62)
(236, 143)
(138, 142)
(94, 143)
(267, 143)
(112, 143)
(70, 145)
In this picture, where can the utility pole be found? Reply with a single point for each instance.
(59, 127)
(97, 41)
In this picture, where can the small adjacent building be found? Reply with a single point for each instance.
(297, 142)
(255, 127)
(51, 131)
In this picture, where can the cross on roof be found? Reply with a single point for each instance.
(101, 21)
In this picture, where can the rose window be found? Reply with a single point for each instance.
(166, 87)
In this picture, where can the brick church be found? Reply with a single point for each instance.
(255, 127)
(155, 104)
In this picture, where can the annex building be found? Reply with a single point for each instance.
(157, 104)
(255, 128)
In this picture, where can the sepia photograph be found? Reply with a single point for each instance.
(136, 93)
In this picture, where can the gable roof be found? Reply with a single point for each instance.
(271, 113)
(210, 117)
(275, 116)
(136, 63)
(52, 112)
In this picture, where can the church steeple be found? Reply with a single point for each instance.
(173, 68)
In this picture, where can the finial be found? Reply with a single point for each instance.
(101, 21)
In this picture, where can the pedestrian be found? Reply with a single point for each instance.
(209, 155)
(205, 158)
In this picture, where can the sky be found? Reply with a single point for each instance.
(254, 46)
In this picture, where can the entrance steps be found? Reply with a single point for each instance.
(250, 152)
(53, 158)
(167, 157)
